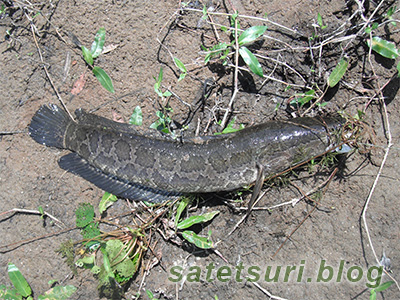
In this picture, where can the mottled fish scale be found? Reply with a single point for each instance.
(117, 158)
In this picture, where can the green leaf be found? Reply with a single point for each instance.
(204, 17)
(87, 261)
(181, 67)
(91, 231)
(58, 293)
(215, 51)
(107, 200)
(95, 270)
(251, 61)
(182, 205)
(104, 79)
(98, 43)
(385, 48)
(51, 282)
(9, 293)
(166, 94)
(106, 266)
(251, 34)
(229, 128)
(338, 72)
(305, 98)
(150, 295)
(87, 55)
(116, 252)
(84, 214)
(197, 220)
(136, 117)
(383, 286)
(199, 241)
(372, 295)
(320, 23)
(162, 123)
(18, 280)
(157, 85)
(390, 12)
(398, 69)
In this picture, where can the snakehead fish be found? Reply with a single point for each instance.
(118, 159)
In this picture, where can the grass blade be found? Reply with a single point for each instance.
(251, 34)
(384, 47)
(103, 78)
(87, 55)
(338, 72)
(251, 61)
(181, 67)
(98, 43)
(19, 281)
(383, 286)
(182, 205)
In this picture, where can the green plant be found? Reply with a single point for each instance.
(380, 288)
(229, 128)
(136, 117)
(181, 67)
(223, 50)
(94, 52)
(150, 295)
(22, 289)
(121, 249)
(157, 85)
(381, 46)
(163, 121)
(106, 201)
(189, 235)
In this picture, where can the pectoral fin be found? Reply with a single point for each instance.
(257, 188)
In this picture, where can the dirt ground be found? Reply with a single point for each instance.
(147, 34)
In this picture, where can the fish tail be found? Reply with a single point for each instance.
(48, 126)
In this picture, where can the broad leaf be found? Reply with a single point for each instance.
(9, 293)
(104, 79)
(136, 117)
(199, 241)
(229, 128)
(251, 34)
(106, 201)
(251, 61)
(19, 281)
(338, 72)
(84, 214)
(197, 220)
(384, 47)
(98, 43)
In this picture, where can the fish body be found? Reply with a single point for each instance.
(118, 159)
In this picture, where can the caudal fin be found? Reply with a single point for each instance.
(48, 126)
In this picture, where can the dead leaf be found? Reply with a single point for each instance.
(109, 48)
(117, 117)
(78, 85)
